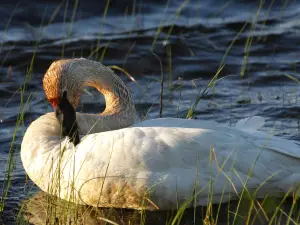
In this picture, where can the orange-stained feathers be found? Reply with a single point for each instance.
(51, 82)
(53, 102)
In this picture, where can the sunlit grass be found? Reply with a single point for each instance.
(20, 121)
(250, 39)
(100, 33)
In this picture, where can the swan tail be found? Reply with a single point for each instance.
(250, 123)
(286, 147)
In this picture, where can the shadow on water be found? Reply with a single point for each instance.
(45, 209)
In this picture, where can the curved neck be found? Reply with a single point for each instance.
(116, 94)
(120, 110)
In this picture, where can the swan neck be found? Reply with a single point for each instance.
(83, 72)
(117, 97)
(120, 109)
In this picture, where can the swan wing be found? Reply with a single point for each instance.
(176, 161)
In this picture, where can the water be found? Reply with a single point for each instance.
(198, 34)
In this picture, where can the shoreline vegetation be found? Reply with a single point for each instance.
(41, 208)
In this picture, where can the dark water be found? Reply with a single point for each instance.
(193, 39)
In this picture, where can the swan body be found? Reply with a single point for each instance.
(160, 163)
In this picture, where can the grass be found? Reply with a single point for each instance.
(246, 209)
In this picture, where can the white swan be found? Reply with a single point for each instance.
(155, 164)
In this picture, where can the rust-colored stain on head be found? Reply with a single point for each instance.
(51, 81)
(54, 102)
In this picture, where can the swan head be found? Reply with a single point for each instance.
(63, 75)
(65, 81)
(63, 89)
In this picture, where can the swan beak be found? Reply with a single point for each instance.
(66, 115)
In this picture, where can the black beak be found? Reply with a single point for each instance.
(66, 115)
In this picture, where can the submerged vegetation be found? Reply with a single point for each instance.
(40, 208)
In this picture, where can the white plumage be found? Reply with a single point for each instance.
(167, 160)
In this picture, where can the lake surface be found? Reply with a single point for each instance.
(187, 40)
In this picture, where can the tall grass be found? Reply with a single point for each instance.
(46, 209)
(19, 122)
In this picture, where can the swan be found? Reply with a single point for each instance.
(106, 160)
